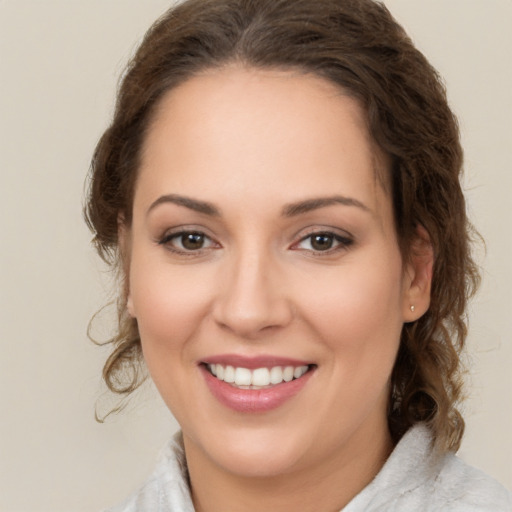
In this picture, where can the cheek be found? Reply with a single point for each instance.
(359, 322)
(358, 312)
(169, 304)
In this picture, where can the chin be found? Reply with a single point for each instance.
(259, 463)
(248, 453)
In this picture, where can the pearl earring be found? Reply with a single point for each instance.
(412, 308)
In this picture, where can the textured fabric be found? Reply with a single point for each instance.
(167, 488)
(412, 480)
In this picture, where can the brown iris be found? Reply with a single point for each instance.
(192, 241)
(322, 242)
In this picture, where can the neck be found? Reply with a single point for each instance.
(326, 487)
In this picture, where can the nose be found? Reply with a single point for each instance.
(252, 298)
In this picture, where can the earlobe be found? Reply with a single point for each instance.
(129, 306)
(418, 276)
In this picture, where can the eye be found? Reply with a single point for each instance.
(323, 241)
(187, 241)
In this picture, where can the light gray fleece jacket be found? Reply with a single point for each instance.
(412, 480)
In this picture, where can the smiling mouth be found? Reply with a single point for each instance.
(258, 378)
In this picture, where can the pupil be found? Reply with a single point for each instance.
(322, 242)
(192, 241)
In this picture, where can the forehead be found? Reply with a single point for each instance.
(252, 131)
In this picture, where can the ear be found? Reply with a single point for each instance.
(418, 276)
(129, 306)
(124, 243)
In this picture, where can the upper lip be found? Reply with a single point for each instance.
(253, 362)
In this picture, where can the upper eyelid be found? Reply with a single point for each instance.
(177, 234)
(312, 230)
(193, 228)
(299, 236)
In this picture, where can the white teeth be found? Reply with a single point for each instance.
(288, 374)
(243, 377)
(258, 378)
(229, 374)
(276, 375)
(300, 371)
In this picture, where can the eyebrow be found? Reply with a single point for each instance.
(193, 204)
(308, 205)
(290, 210)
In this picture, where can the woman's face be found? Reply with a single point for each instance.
(262, 247)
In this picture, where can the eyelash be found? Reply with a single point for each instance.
(167, 239)
(340, 242)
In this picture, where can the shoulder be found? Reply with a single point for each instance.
(413, 478)
(466, 488)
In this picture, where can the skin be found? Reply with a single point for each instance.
(250, 143)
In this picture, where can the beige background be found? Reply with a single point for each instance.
(59, 63)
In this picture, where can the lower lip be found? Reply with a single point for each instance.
(254, 400)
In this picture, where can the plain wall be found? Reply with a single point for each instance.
(59, 64)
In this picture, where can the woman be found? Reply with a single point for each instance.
(279, 189)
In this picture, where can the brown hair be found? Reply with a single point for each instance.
(357, 45)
